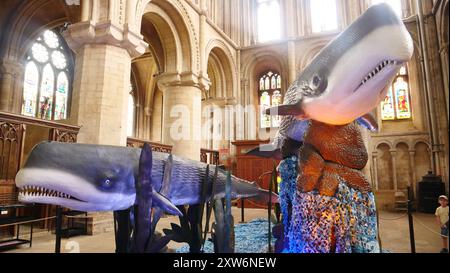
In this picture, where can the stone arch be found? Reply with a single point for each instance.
(217, 78)
(260, 62)
(24, 21)
(221, 61)
(420, 140)
(383, 142)
(28, 20)
(256, 64)
(385, 167)
(175, 39)
(400, 141)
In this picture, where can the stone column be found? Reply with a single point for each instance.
(412, 155)
(291, 62)
(375, 169)
(182, 109)
(394, 168)
(11, 83)
(102, 76)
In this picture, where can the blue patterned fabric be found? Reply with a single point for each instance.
(344, 223)
(288, 187)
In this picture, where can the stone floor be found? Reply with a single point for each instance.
(394, 235)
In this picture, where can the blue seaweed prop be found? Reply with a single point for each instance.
(144, 239)
(222, 233)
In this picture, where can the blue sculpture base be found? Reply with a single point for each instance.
(345, 223)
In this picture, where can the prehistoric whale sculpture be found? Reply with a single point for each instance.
(102, 178)
(346, 80)
(326, 201)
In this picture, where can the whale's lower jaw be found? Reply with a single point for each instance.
(73, 204)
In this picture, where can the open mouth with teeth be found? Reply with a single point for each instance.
(37, 191)
(379, 68)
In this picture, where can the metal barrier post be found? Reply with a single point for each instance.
(58, 229)
(242, 210)
(410, 220)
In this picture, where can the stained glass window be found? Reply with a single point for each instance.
(62, 88)
(395, 4)
(30, 89)
(276, 100)
(397, 104)
(269, 21)
(323, 15)
(47, 78)
(269, 96)
(46, 93)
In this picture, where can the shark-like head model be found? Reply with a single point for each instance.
(102, 178)
(347, 79)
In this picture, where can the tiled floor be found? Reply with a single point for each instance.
(394, 235)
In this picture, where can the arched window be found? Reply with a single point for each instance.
(397, 104)
(47, 78)
(323, 15)
(395, 4)
(131, 112)
(269, 21)
(269, 96)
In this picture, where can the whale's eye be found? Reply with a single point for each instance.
(316, 81)
(107, 183)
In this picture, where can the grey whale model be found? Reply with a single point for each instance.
(346, 80)
(102, 178)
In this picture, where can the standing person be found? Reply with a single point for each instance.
(442, 219)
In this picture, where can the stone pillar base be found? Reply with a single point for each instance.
(98, 222)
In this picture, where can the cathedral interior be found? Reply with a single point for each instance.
(193, 77)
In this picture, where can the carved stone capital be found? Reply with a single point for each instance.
(83, 33)
(189, 78)
(221, 102)
(11, 67)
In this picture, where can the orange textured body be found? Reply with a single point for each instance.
(332, 155)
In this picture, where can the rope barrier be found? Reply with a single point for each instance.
(26, 222)
(82, 217)
(40, 219)
(394, 219)
(426, 227)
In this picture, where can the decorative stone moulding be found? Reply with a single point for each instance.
(87, 32)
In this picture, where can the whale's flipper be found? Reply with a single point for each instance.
(267, 151)
(165, 204)
(289, 147)
(165, 189)
(368, 121)
(286, 110)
